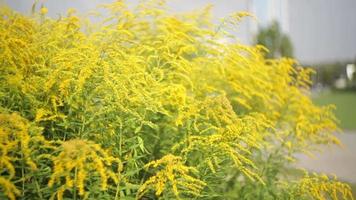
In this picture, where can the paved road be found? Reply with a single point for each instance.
(340, 161)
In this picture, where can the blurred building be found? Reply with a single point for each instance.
(322, 31)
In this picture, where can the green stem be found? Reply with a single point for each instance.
(117, 196)
(38, 189)
(23, 174)
(75, 182)
(117, 193)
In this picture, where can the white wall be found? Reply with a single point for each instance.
(323, 30)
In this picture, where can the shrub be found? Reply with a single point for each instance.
(277, 42)
(150, 105)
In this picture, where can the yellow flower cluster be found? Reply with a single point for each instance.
(236, 141)
(139, 84)
(322, 187)
(16, 146)
(78, 159)
(9, 188)
(171, 173)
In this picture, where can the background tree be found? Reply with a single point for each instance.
(277, 42)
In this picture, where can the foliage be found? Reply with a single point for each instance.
(277, 43)
(327, 74)
(149, 105)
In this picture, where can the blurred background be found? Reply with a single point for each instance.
(318, 33)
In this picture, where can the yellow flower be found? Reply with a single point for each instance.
(43, 11)
(173, 173)
(10, 189)
(16, 143)
(322, 187)
(77, 159)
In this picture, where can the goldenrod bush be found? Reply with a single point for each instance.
(145, 104)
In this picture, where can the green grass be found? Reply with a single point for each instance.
(345, 106)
